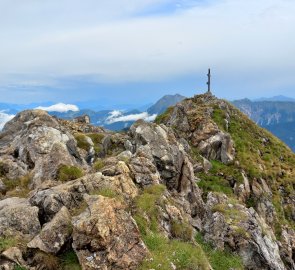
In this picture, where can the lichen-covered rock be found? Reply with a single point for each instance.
(17, 216)
(192, 119)
(160, 146)
(144, 170)
(287, 247)
(10, 258)
(35, 142)
(242, 230)
(70, 194)
(106, 237)
(54, 234)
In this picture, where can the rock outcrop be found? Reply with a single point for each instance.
(18, 217)
(54, 234)
(243, 230)
(105, 235)
(151, 197)
(34, 142)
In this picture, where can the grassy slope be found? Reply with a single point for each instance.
(260, 154)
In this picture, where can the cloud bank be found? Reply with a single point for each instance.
(59, 107)
(247, 43)
(4, 117)
(117, 116)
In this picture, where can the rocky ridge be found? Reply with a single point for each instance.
(203, 182)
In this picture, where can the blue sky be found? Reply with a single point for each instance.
(133, 52)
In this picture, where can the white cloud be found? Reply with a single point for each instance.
(241, 39)
(59, 107)
(4, 118)
(131, 117)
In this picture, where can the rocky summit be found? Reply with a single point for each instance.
(203, 187)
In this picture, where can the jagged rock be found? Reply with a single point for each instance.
(144, 170)
(14, 255)
(159, 144)
(17, 216)
(243, 231)
(114, 143)
(105, 235)
(35, 142)
(219, 147)
(82, 119)
(287, 247)
(54, 234)
(70, 194)
(243, 191)
(192, 120)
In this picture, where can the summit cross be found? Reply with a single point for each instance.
(209, 81)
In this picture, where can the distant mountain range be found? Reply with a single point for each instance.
(276, 116)
(120, 119)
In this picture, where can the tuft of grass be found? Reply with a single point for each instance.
(82, 141)
(96, 137)
(219, 260)
(67, 173)
(166, 252)
(69, 261)
(7, 242)
(98, 164)
(106, 192)
(181, 230)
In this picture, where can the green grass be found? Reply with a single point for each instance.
(183, 255)
(163, 251)
(181, 230)
(98, 164)
(69, 261)
(106, 192)
(96, 137)
(82, 141)
(220, 260)
(18, 187)
(252, 150)
(146, 204)
(67, 173)
(7, 242)
(218, 178)
(162, 118)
